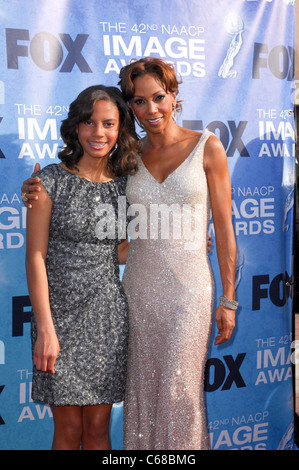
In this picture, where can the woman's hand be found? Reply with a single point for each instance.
(122, 251)
(45, 352)
(225, 319)
(28, 190)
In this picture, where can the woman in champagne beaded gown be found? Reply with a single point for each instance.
(167, 279)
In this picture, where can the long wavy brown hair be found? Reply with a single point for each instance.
(122, 159)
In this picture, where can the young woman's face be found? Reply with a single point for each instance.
(99, 134)
(151, 104)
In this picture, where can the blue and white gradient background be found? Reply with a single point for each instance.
(53, 50)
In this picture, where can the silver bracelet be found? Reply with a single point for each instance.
(232, 304)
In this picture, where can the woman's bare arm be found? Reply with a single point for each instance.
(37, 234)
(216, 168)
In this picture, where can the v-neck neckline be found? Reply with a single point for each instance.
(179, 166)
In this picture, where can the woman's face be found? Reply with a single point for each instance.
(99, 134)
(151, 104)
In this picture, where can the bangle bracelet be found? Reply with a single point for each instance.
(232, 304)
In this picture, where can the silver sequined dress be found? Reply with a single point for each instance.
(87, 301)
(169, 286)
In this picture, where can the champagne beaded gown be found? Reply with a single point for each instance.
(169, 286)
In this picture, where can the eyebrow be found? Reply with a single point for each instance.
(154, 94)
(108, 119)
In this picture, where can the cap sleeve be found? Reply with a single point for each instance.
(48, 177)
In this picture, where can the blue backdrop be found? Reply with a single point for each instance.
(236, 59)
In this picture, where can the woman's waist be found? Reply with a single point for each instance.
(188, 245)
(71, 248)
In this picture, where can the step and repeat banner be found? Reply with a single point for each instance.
(236, 60)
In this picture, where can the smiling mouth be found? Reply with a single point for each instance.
(97, 145)
(154, 122)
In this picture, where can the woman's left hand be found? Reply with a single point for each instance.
(225, 319)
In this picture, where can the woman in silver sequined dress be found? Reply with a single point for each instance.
(80, 322)
(167, 279)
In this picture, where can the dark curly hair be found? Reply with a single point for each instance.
(123, 160)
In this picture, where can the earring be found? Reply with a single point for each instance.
(174, 113)
(113, 150)
(138, 123)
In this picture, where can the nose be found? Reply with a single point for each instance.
(152, 107)
(98, 129)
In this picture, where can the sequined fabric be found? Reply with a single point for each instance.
(87, 301)
(169, 285)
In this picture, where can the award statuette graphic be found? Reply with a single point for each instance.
(233, 25)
